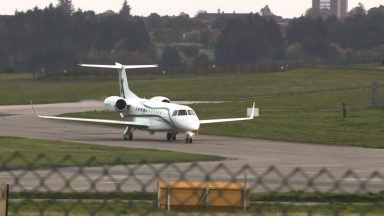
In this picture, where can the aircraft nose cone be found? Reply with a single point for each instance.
(194, 126)
(188, 124)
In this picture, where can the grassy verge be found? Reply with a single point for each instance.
(149, 208)
(236, 87)
(143, 203)
(363, 127)
(58, 154)
(294, 196)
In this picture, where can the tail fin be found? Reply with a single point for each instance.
(125, 92)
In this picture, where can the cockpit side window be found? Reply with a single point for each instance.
(174, 113)
(182, 112)
(191, 112)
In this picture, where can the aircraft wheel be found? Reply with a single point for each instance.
(188, 140)
(125, 137)
(130, 136)
(169, 136)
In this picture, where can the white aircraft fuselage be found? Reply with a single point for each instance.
(159, 116)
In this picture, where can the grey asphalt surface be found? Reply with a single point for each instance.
(258, 154)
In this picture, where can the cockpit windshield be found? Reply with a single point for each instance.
(183, 113)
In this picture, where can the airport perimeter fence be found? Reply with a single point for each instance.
(47, 185)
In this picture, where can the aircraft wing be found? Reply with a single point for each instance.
(213, 121)
(99, 121)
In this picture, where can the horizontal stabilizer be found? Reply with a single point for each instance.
(119, 66)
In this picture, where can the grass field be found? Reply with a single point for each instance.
(29, 154)
(236, 87)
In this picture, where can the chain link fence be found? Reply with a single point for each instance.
(42, 186)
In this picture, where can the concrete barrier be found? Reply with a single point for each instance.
(3, 199)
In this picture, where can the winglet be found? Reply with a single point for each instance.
(253, 111)
(34, 110)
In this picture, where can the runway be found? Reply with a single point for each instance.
(18, 121)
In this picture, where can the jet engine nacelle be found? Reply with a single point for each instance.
(115, 103)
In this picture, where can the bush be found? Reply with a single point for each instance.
(202, 60)
(171, 58)
(190, 51)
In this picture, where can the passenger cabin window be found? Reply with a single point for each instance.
(191, 112)
(182, 112)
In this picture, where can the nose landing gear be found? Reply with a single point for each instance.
(188, 136)
(188, 140)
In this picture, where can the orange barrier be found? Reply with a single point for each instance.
(203, 195)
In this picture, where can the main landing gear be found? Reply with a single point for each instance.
(171, 136)
(128, 134)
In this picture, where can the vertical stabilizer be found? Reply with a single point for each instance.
(125, 92)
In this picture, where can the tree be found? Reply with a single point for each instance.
(66, 6)
(171, 58)
(125, 11)
(265, 11)
(309, 13)
(359, 10)
(295, 52)
(202, 60)
(190, 51)
(249, 40)
(154, 21)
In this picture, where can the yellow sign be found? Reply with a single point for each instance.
(3, 199)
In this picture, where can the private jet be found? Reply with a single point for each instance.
(157, 114)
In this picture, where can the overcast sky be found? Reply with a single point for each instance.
(285, 8)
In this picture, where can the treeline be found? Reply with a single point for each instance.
(256, 39)
(56, 38)
(360, 37)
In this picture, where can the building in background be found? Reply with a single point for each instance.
(210, 18)
(326, 8)
(339, 8)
